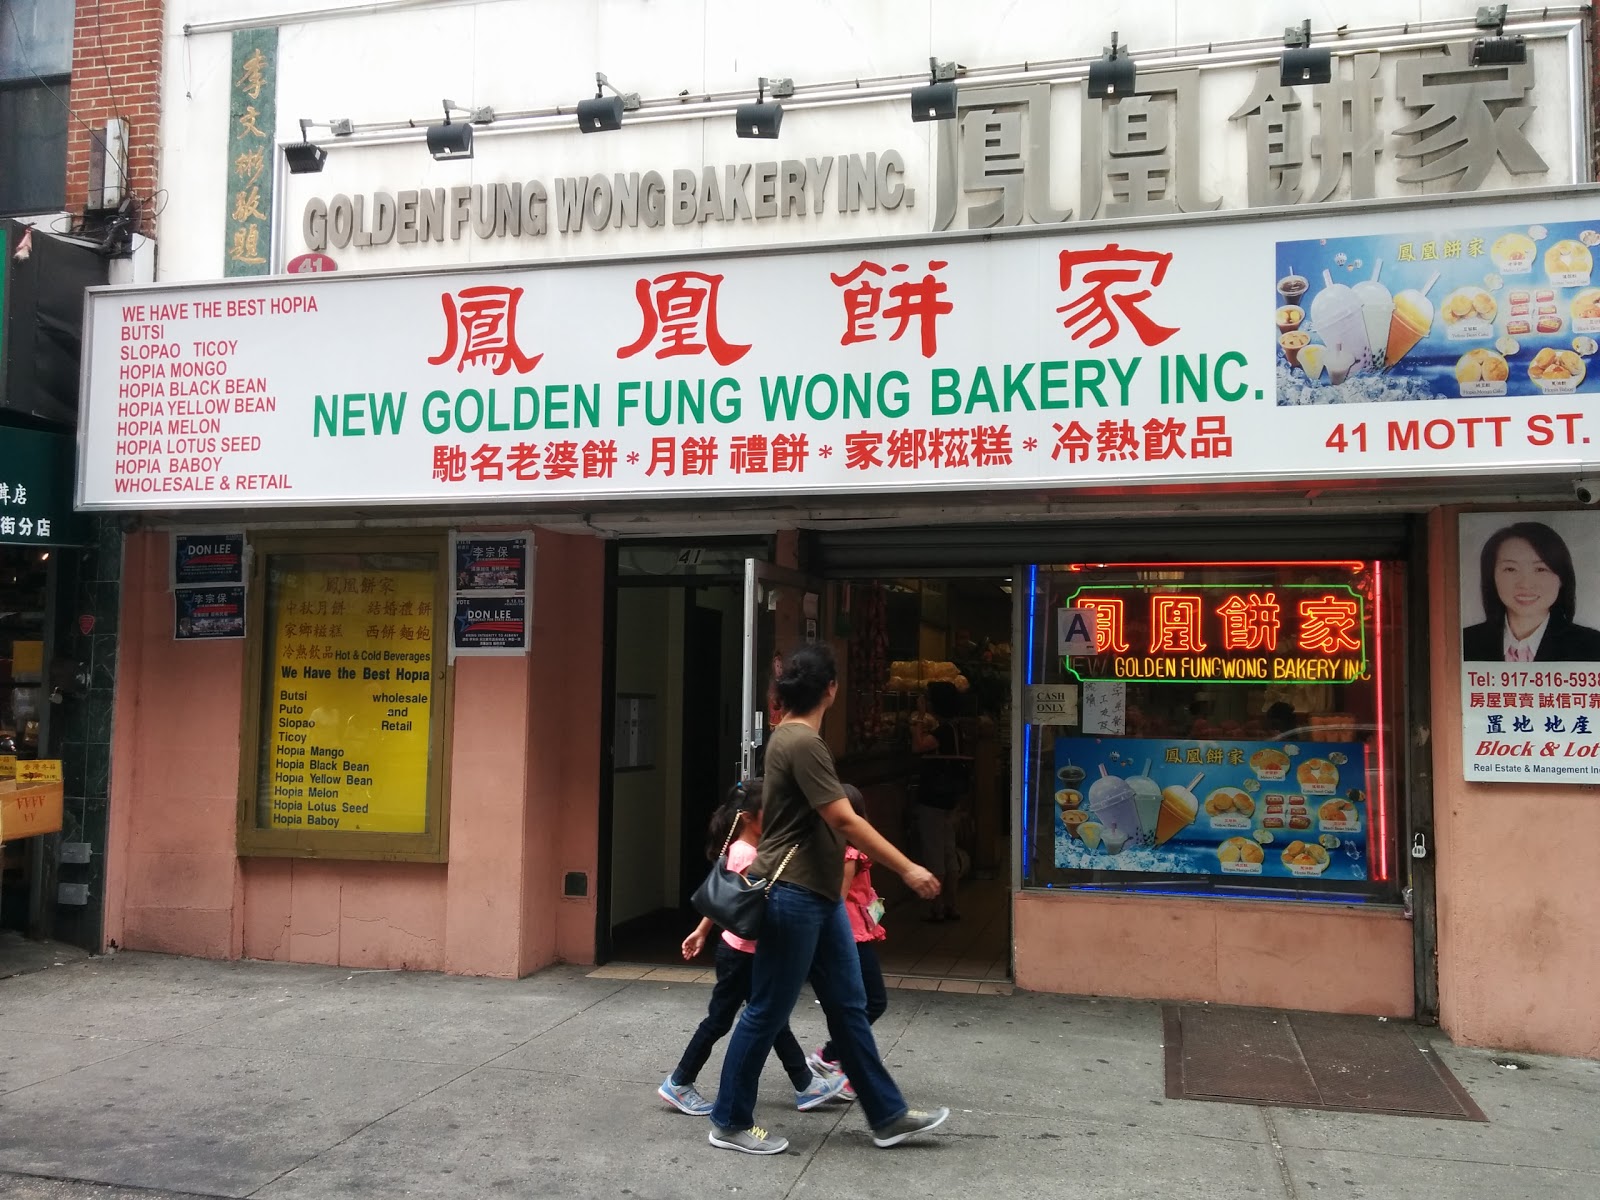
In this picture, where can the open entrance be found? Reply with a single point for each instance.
(922, 726)
(678, 650)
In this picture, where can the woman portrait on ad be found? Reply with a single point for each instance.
(1529, 590)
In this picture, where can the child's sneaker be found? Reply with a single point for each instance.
(823, 1088)
(684, 1097)
(822, 1066)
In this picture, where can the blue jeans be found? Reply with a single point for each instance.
(805, 934)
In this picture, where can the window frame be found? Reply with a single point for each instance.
(1037, 877)
(44, 84)
(430, 846)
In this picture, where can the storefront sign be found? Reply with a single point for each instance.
(1530, 646)
(205, 614)
(36, 489)
(350, 664)
(746, 191)
(1138, 356)
(252, 116)
(1212, 807)
(1225, 633)
(1140, 154)
(1052, 704)
(202, 559)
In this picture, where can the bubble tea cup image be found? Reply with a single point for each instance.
(1336, 316)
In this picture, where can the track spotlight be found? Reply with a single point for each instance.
(604, 112)
(1113, 76)
(1499, 50)
(1302, 62)
(450, 140)
(936, 99)
(304, 157)
(761, 119)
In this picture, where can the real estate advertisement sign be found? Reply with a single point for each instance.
(1530, 646)
(1117, 354)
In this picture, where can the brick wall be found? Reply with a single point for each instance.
(116, 71)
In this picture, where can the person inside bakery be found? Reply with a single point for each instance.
(1529, 591)
(943, 775)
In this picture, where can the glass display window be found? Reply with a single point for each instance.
(1228, 727)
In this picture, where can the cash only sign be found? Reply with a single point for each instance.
(1404, 340)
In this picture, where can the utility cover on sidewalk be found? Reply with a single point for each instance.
(1308, 1060)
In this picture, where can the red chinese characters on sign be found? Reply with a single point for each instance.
(679, 310)
(905, 449)
(1119, 441)
(1110, 625)
(526, 462)
(1250, 621)
(1329, 625)
(481, 330)
(911, 300)
(1175, 624)
(1112, 281)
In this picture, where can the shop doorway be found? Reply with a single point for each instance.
(925, 724)
(925, 706)
(677, 653)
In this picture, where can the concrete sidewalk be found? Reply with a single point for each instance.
(173, 1077)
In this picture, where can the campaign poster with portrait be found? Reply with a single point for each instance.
(1530, 646)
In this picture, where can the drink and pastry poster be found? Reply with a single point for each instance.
(1530, 646)
(1486, 312)
(1176, 806)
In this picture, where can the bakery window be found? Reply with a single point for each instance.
(343, 741)
(1214, 727)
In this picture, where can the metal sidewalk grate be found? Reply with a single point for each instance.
(1308, 1060)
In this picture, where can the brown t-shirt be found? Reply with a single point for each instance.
(799, 779)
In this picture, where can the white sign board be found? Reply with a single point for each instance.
(1075, 631)
(1052, 704)
(1119, 354)
(1530, 646)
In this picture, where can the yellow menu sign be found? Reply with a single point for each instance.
(8, 766)
(39, 770)
(349, 695)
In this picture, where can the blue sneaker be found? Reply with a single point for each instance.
(684, 1097)
(823, 1088)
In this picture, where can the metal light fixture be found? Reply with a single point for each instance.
(936, 99)
(761, 119)
(1302, 62)
(451, 140)
(604, 112)
(1499, 50)
(1114, 75)
(304, 157)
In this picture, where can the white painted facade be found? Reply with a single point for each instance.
(397, 63)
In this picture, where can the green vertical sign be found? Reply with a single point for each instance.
(252, 111)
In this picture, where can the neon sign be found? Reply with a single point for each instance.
(1224, 633)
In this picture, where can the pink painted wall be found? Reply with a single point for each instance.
(524, 786)
(1245, 952)
(1519, 929)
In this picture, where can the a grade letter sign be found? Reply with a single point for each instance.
(1248, 351)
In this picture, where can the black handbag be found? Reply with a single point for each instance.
(732, 901)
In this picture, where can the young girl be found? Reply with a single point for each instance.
(862, 905)
(734, 958)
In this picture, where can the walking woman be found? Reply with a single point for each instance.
(806, 933)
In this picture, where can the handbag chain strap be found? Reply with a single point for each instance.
(793, 850)
(732, 829)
